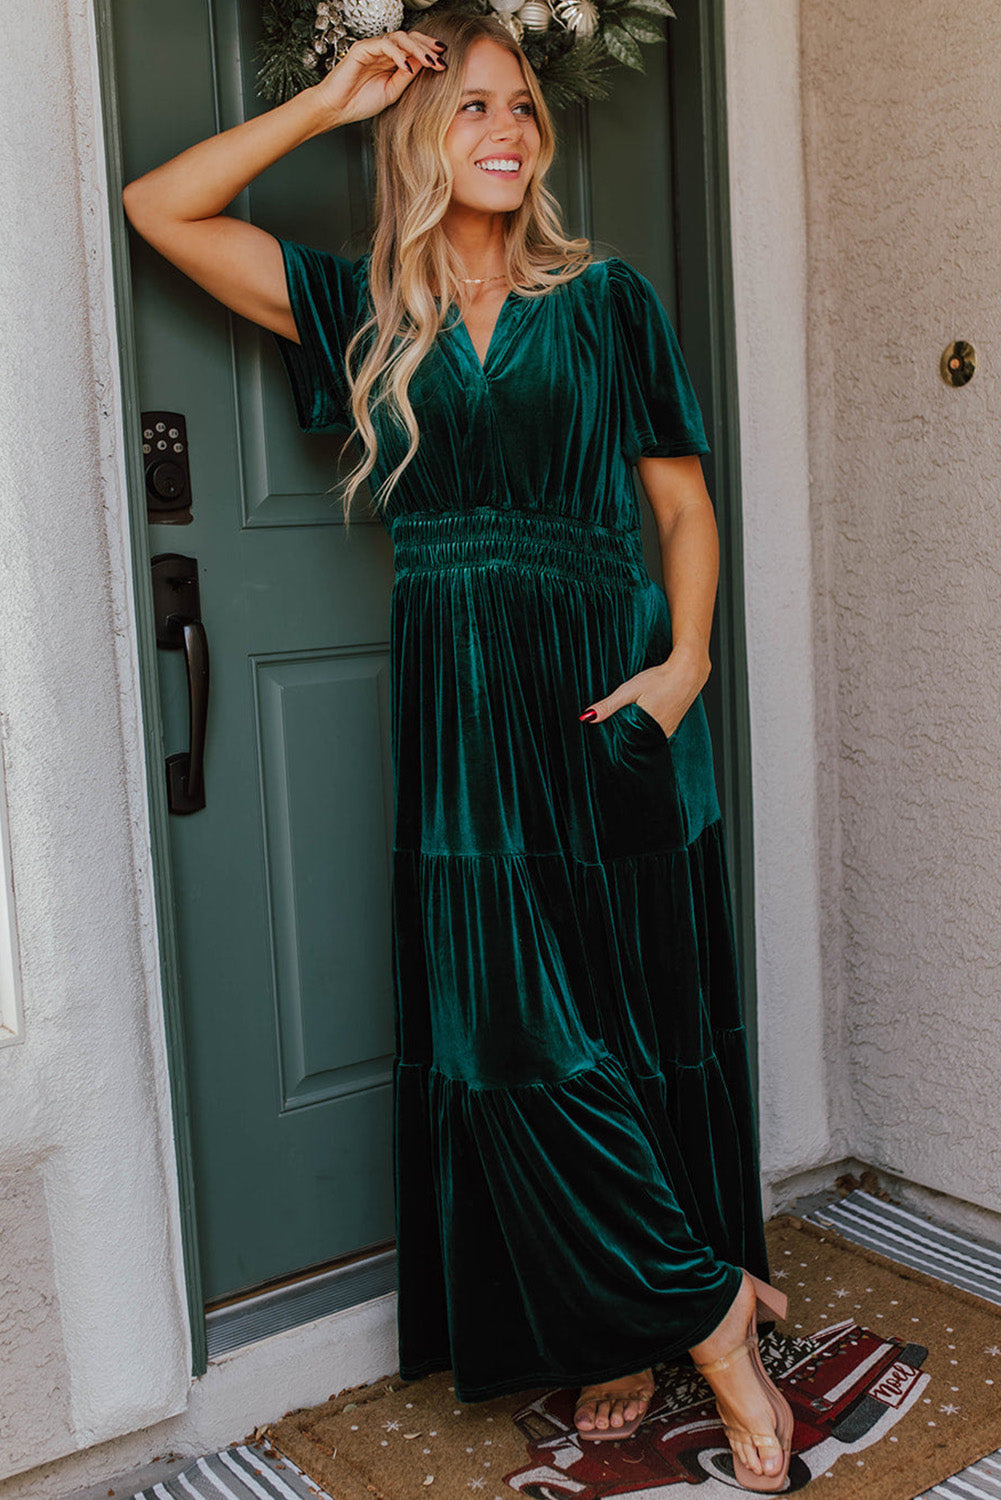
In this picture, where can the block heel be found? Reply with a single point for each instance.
(771, 1302)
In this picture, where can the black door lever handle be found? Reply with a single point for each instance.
(179, 626)
(186, 769)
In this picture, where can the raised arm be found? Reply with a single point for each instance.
(178, 207)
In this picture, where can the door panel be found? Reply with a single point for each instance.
(321, 723)
(281, 882)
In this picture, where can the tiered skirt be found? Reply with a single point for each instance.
(576, 1169)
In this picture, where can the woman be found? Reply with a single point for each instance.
(576, 1176)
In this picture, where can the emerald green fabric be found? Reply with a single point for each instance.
(576, 1168)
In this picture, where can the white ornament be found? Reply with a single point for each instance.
(535, 15)
(506, 7)
(372, 17)
(578, 16)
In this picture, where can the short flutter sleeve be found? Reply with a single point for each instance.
(323, 292)
(659, 409)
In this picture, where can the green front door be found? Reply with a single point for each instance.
(280, 885)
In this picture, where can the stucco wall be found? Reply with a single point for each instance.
(85, 1137)
(803, 1081)
(902, 117)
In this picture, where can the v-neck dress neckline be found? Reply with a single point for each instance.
(509, 318)
(495, 332)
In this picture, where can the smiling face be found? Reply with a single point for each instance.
(493, 140)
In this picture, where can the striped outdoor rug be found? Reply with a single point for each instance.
(258, 1472)
(894, 1231)
(243, 1472)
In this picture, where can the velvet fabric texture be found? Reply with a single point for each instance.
(576, 1168)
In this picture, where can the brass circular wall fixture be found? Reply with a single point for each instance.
(959, 361)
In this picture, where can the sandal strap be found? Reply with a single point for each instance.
(726, 1360)
(759, 1439)
(615, 1396)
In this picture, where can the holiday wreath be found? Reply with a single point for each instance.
(571, 44)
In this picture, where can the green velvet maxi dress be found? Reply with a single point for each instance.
(576, 1172)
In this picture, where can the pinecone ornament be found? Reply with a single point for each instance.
(372, 17)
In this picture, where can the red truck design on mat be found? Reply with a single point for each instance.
(847, 1387)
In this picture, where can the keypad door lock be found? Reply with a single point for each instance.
(165, 463)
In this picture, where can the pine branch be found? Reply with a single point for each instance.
(577, 73)
(286, 36)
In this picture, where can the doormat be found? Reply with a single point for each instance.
(890, 1374)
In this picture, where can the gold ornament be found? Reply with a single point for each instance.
(512, 24)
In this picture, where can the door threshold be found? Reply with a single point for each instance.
(274, 1309)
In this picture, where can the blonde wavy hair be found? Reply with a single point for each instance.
(410, 252)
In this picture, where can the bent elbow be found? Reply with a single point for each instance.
(135, 201)
(130, 201)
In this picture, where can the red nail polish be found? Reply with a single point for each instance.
(591, 713)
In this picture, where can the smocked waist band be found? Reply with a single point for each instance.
(522, 539)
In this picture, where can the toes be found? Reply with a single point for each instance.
(584, 1415)
(635, 1404)
(612, 1410)
(751, 1458)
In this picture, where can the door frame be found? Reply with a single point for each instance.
(149, 698)
(706, 327)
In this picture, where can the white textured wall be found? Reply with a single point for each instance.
(88, 1211)
(803, 1083)
(903, 148)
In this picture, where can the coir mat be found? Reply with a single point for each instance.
(889, 1371)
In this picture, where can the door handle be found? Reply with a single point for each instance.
(179, 626)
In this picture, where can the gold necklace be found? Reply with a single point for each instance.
(499, 277)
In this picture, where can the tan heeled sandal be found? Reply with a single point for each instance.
(776, 1303)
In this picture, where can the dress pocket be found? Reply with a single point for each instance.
(636, 711)
(639, 807)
